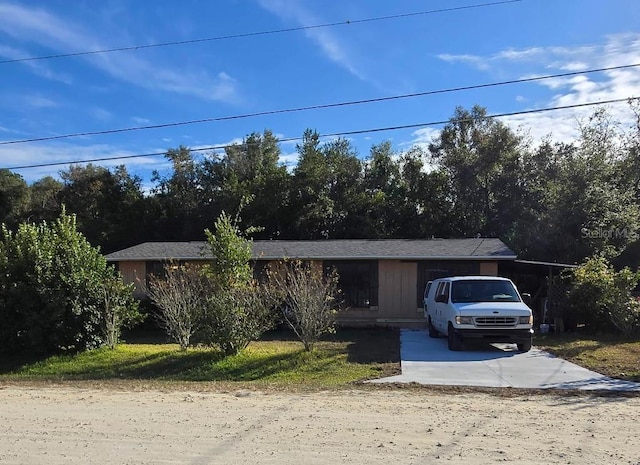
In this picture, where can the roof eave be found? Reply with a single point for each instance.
(400, 257)
(154, 259)
(337, 257)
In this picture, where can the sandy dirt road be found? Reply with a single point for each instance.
(70, 425)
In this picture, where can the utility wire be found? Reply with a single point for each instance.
(316, 107)
(258, 33)
(340, 134)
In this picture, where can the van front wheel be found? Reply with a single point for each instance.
(524, 346)
(433, 332)
(453, 341)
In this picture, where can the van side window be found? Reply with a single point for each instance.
(426, 290)
(442, 293)
(438, 290)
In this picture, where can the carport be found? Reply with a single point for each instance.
(428, 361)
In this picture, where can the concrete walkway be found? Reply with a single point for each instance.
(429, 361)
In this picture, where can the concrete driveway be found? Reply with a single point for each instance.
(429, 361)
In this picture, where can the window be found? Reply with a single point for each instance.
(426, 290)
(443, 291)
(358, 281)
(155, 268)
(483, 291)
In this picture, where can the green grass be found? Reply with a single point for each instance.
(276, 362)
(610, 355)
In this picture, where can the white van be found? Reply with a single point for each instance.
(477, 307)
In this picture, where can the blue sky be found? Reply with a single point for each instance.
(343, 63)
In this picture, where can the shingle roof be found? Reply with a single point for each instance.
(402, 249)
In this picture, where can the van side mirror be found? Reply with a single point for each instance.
(526, 298)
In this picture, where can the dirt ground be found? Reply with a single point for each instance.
(74, 425)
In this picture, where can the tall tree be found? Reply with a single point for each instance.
(326, 188)
(108, 205)
(591, 207)
(178, 198)
(44, 204)
(250, 176)
(14, 198)
(483, 160)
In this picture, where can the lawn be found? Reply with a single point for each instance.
(610, 355)
(277, 361)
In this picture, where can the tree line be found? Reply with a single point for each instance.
(547, 200)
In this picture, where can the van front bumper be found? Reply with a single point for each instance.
(494, 335)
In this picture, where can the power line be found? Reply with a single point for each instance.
(316, 107)
(258, 33)
(339, 134)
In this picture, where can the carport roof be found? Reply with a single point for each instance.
(347, 249)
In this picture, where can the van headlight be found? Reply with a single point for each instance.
(464, 320)
(526, 320)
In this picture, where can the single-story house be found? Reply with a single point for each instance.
(383, 280)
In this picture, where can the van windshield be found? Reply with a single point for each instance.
(483, 291)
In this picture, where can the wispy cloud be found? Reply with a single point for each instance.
(38, 68)
(32, 25)
(328, 42)
(39, 101)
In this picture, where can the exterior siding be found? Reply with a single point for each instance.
(397, 284)
(134, 272)
(489, 268)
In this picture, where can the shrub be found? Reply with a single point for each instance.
(52, 289)
(238, 309)
(180, 296)
(601, 297)
(120, 309)
(236, 316)
(311, 299)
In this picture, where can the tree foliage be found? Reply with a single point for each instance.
(547, 200)
(107, 204)
(601, 297)
(120, 309)
(52, 288)
(238, 310)
(14, 197)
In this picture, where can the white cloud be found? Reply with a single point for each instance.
(475, 61)
(64, 153)
(290, 160)
(571, 67)
(616, 50)
(422, 137)
(47, 30)
(140, 120)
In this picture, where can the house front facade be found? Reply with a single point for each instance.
(382, 280)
